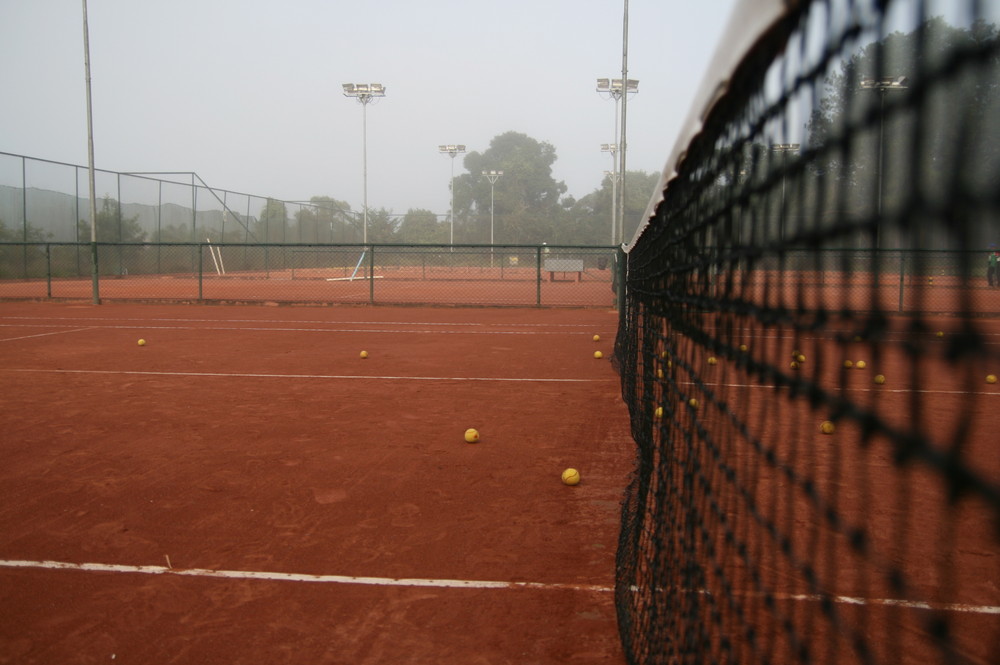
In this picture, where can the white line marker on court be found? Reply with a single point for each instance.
(298, 577)
(302, 376)
(57, 332)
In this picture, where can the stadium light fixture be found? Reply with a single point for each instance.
(492, 176)
(365, 93)
(618, 90)
(452, 149)
(882, 85)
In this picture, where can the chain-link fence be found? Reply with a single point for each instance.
(313, 273)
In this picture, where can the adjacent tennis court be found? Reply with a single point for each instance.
(245, 488)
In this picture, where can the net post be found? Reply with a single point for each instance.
(619, 278)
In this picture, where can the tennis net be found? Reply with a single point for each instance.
(817, 475)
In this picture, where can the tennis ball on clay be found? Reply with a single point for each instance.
(659, 373)
(693, 403)
(743, 348)
(801, 358)
(364, 354)
(991, 378)
(861, 364)
(793, 365)
(571, 477)
(796, 354)
(827, 427)
(940, 333)
(598, 355)
(712, 360)
(879, 379)
(658, 413)
(142, 342)
(597, 338)
(848, 364)
(471, 435)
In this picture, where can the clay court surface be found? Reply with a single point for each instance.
(249, 490)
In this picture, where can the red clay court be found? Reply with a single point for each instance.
(246, 489)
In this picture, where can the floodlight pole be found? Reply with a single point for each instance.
(492, 176)
(452, 150)
(622, 142)
(365, 93)
(617, 90)
(95, 286)
(881, 85)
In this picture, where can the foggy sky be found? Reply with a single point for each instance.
(248, 94)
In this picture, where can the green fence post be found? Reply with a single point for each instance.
(371, 275)
(538, 276)
(201, 260)
(902, 276)
(48, 270)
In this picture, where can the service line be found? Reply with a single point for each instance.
(298, 577)
(303, 376)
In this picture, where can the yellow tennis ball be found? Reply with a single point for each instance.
(793, 365)
(364, 354)
(848, 364)
(879, 379)
(743, 347)
(940, 333)
(571, 477)
(658, 413)
(142, 342)
(693, 403)
(861, 364)
(471, 435)
(827, 427)
(991, 378)
(712, 360)
(796, 354)
(597, 338)
(598, 355)
(659, 373)
(801, 358)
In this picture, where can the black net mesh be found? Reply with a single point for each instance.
(808, 349)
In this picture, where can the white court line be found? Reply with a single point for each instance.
(302, 376)
(58, 332)
(453, 584)
(315, 330)
(298, 577)
(855, 600)
(275, 321)
(907, 391)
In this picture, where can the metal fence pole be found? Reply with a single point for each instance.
(538, 276)
(201, 261)
(371, 275)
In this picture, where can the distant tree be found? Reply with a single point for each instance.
(959, 117)
(381, 226)
(422, 227)
(27, 234)
(589, 220)
(111, 226)
(272, 224)
(527, 198)
(325, 220)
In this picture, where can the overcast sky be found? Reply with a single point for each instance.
(248, 94)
